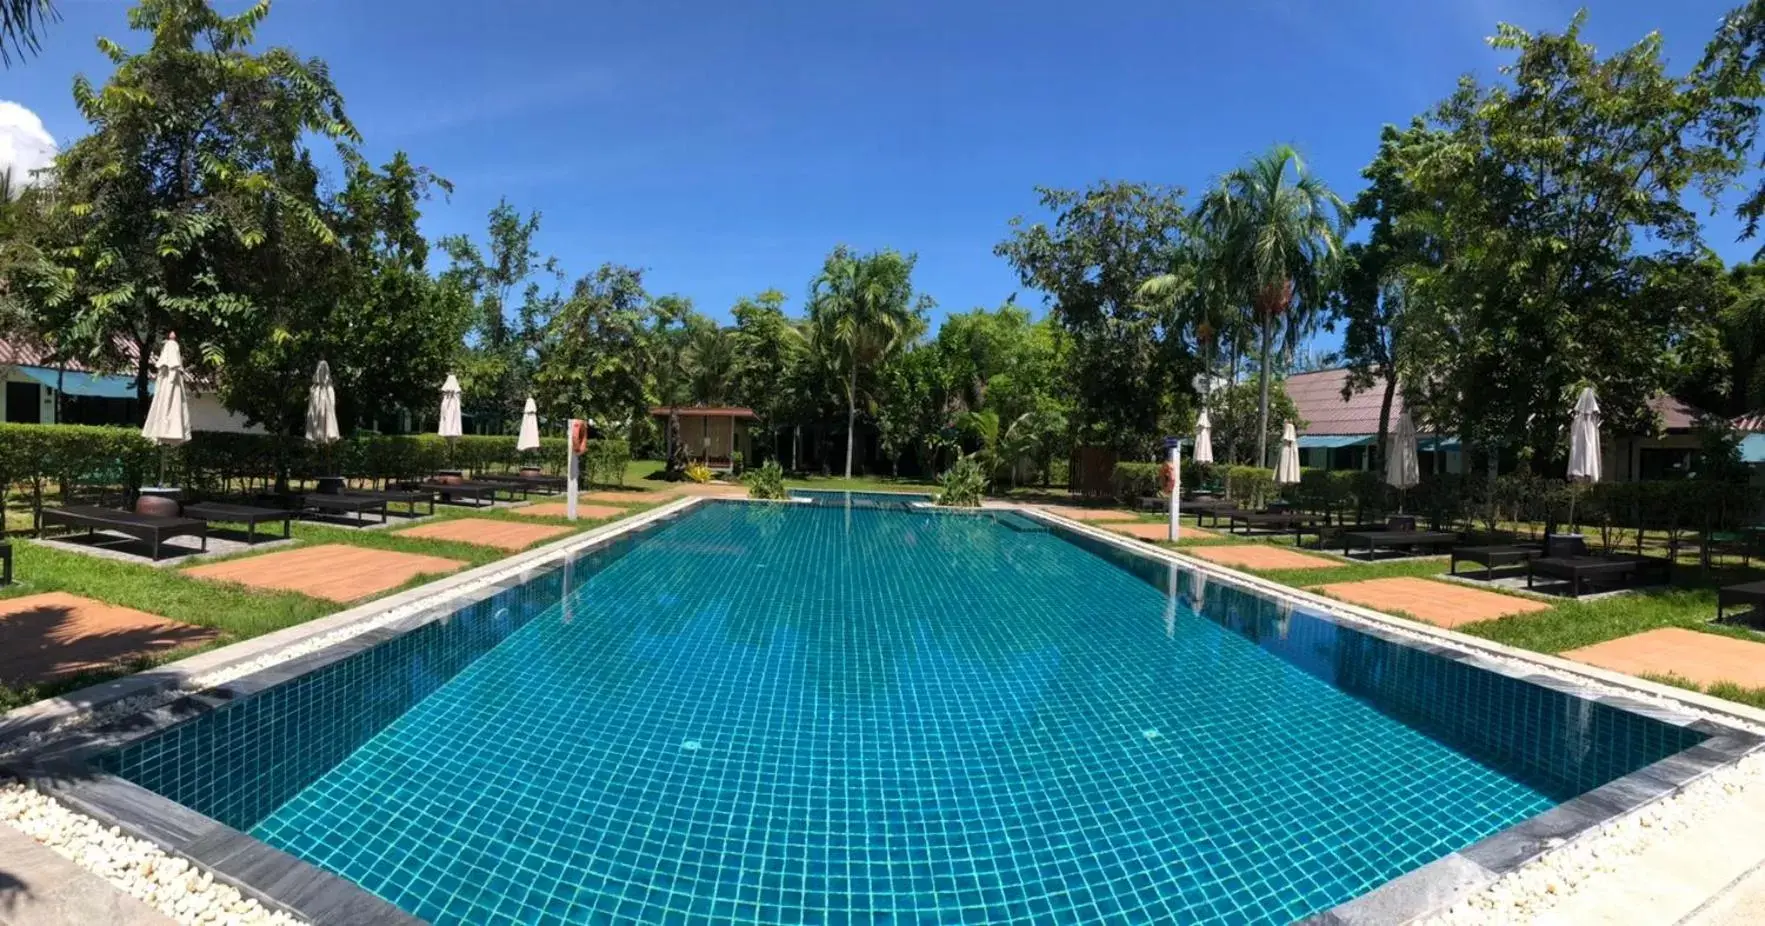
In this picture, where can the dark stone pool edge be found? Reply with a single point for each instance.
(60, 769)
(1434, 887)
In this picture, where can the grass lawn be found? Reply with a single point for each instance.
(237, 612)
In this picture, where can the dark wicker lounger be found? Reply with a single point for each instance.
(478, 492)
(249, 515)
(1750, 593)
(550, 484)
(144, 527)
(1579, 570)
(410, 498)
(1276, 521)
(1373, 540)
(5, 563)
(1215, 514)
(327, 503)
(1492, 557)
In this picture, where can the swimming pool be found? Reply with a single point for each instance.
(788, 713)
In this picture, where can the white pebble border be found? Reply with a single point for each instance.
(136, 867)
(1522, 895)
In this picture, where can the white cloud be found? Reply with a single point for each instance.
(25, 145)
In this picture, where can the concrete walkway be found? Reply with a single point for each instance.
(40, 888)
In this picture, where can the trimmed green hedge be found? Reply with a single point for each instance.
(1134, 481)
(45, 458)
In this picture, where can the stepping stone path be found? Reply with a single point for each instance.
(1704, 658)
(48, 636)
(561, 510)
(1426, 600)
(1089, 514)
(1261, 556)
(333, 571)
(503, 535)
(623, 497)
(1159, 532)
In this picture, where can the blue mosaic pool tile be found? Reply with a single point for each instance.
(848, 713)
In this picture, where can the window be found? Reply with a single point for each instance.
(24, 403)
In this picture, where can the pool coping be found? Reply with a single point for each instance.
(1435, 886)
(281, 881)
(59, 768)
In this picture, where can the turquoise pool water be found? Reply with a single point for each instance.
(797, 713)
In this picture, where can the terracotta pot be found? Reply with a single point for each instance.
(156, 505)
(530, 471)
(449, 480)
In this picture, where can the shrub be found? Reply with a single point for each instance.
(1250, 485)
(735, 462)
(1133, 481)
(766, 482)
(963, 484)
(697, 472)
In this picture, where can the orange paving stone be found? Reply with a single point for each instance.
(561, 510)
(1432, 602)
(1089, 514)
(333, 571)
(48, 636)
(624, 497)
(504, 535)
(1704, 658)
(1260, 556)
(710, 489)
(1149, 531)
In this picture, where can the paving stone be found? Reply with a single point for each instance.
(1704, 658)
(1432, 602)
(503, 535)
(333, 571)
(561, 509)
(1158, 532)
(1090, 514)
(52, 635)
(1261, 556)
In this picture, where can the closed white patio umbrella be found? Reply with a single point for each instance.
(450, 409)
(321, 408)
(1203, 438)
(1403, 468)
(529, 437)
(168, 418)
(1584, 444)
(1287, 467)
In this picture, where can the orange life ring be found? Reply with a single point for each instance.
(579, 436)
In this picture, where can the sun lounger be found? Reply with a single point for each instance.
(249, 515)
(1749, 594)
(5, 563)
(410, 498)
(549, 484)
(1580, 571)
(340, 503)
(1492, 557)
(1405, 539)
(479, 492)
(1282, 521)
(148, 528)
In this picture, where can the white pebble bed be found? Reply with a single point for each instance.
(136, 867)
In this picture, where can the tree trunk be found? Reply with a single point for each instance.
(851, 415)
(1385, 418)
(1262, 402)
(143, 374)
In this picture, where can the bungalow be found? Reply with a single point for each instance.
(37, 390)
(711, 432)
(1343, 433)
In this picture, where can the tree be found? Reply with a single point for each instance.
(1280, 230)
(597, 355)
(863, 307)
(498, 368)
(709, 361)
(1127, 355)
(1556, 201)
(170, 214)
(767, 347)
(21, 26)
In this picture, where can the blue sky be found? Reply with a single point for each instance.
(727, 147)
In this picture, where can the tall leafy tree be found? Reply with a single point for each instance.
(197, 170)
(768, 346)
(1556, 198)
(864, 309)
(1128, 354)
(597, 355)
(506, 278)
(1280, 230)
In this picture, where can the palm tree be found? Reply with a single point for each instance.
(21, 26)
(862, 306)
(708, 360)
(1279, 230)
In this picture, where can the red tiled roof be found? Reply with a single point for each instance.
(1318, 398)
(704, 411)
(23, 351)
